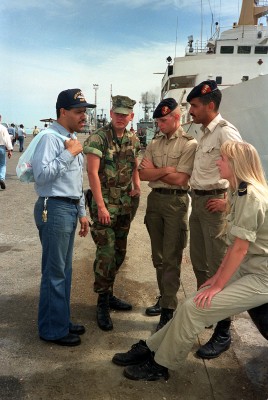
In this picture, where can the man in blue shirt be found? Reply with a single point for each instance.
(58, 173)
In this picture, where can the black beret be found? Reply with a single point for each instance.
(165, 107)
(202, 89)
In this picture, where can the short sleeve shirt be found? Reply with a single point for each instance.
(205, 174)
(248, 220)
(177, 151)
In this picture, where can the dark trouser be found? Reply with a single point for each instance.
(206, 249)
(166, 221)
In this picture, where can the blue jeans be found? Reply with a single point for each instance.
(21, 142)
(57, 239)
(2, 162)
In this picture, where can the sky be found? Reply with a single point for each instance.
(51, 45)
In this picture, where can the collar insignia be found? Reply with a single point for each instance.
(242, 189)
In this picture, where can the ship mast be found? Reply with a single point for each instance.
(251, 11)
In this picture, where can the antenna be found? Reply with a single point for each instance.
(201, 36)
(176, 37)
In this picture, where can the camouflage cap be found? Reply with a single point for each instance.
(122, 104)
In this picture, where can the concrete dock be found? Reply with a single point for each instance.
(35, 370)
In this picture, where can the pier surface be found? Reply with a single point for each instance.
(35, 370)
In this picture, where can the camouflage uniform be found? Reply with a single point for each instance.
(115, 174)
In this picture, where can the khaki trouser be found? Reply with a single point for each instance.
(166, 221)
(206, 250)
(173, 342)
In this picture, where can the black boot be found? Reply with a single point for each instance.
(103, 313)
(146, 371)
(155, 309)
(166, 315)
(138, 353)
(117, 304)
(218, 343)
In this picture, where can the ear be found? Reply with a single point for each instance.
(211, 106)
(132, 116)
(62, 112)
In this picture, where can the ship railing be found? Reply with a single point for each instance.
(196, 50)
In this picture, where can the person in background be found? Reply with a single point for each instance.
(208, 191)
(114, 182)
(12, 133)
(35, 131)
(5, 145)
(58, 173)
(21, 136)
(167, 165)
(240, 283)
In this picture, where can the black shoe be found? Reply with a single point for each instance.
(138, 353)
(147, 371)
(117, 304)
(103, 313)
(166, 315)
(219, 342)
(77, 329)
(69, 340)
(154, 310)
(2, 184)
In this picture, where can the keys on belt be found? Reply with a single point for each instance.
(66, 199)
(44, 213)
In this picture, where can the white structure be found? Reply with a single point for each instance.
(237, 59)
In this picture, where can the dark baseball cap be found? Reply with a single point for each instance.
(202, 89)
(165, 107)
(72, 98)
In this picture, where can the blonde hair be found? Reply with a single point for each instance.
(246, 164)
(176, 111)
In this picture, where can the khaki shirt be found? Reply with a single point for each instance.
(248, 220)
(205, 175)
(177, 151)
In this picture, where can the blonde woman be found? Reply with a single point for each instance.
(241, 282)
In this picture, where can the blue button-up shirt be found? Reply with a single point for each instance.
(56, 171)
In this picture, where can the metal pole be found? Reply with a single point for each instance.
(95, 87)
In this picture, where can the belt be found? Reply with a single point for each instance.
(170, 191)
(209, 192)
(66, 199)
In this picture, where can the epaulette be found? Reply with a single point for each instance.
(223, 123)
(242, 189)
(188, 137)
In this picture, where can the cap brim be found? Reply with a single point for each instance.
(121, 110)
(87, 105)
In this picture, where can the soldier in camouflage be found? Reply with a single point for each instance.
(115, 185)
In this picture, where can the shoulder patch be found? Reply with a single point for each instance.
(242, 189)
